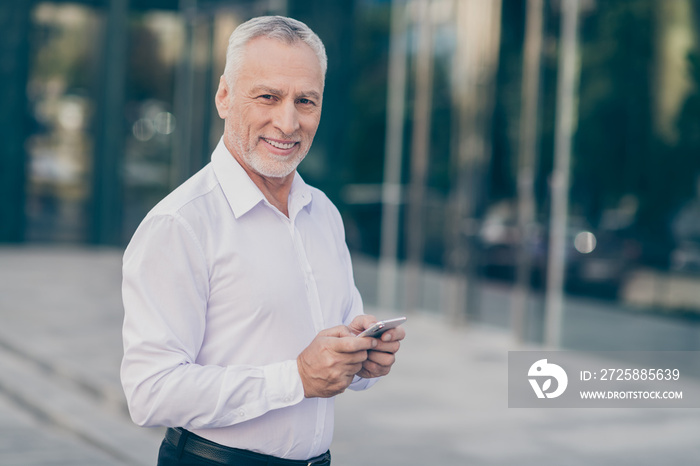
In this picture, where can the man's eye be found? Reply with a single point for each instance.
(306, 102)
(267, 96)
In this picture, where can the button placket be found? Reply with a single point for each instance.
(322, 406)
(312, 296)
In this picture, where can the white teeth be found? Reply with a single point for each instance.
(280, 145)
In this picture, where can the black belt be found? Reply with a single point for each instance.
(198, 446)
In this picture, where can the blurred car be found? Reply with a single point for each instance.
(603, 270)
(597, 261)
(685, 257)
(500, 238)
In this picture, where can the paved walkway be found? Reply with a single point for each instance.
(445, 402)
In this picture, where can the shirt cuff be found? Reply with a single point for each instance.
(284, 384)
(358, 383)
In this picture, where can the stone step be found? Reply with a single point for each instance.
(92, 419)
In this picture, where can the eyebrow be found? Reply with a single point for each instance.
(269, 90)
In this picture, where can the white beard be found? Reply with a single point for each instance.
(268, 165)
(272, 165)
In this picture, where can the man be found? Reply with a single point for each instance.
(241, 312)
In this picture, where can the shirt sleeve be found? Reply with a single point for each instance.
(358, 383)
(165, 290)
(356, 307)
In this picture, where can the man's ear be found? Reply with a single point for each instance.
(222, 98)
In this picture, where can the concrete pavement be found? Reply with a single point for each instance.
(59, 353)
(444, 403)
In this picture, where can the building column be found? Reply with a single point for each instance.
(14, 66)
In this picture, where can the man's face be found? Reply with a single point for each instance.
(273, 108)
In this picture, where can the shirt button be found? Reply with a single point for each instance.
(241, 413)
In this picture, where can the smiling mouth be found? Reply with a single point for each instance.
(279, 144)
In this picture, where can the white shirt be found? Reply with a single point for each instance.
(221, 293)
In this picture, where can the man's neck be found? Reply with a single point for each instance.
(275, 190)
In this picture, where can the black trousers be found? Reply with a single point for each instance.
(181, 448)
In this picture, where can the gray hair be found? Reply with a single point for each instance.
(284, 29)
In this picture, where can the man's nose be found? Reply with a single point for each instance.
(287, 118)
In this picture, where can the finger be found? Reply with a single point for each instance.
(357, 357)
(354, 369)
(381, 359)
(371, 369)
(387, 347)
(396, 334)
(354, 344)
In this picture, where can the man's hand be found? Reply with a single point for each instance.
(328, 365)
(382, 357)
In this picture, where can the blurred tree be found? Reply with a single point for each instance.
(502, 173)
(148, 76)
(349, 144)
(618, 150)
(614, 143)
(368, 92)
(334, 22)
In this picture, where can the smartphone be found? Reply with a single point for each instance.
(382, 326)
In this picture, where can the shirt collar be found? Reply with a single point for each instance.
(299, 196)
(241, 192)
